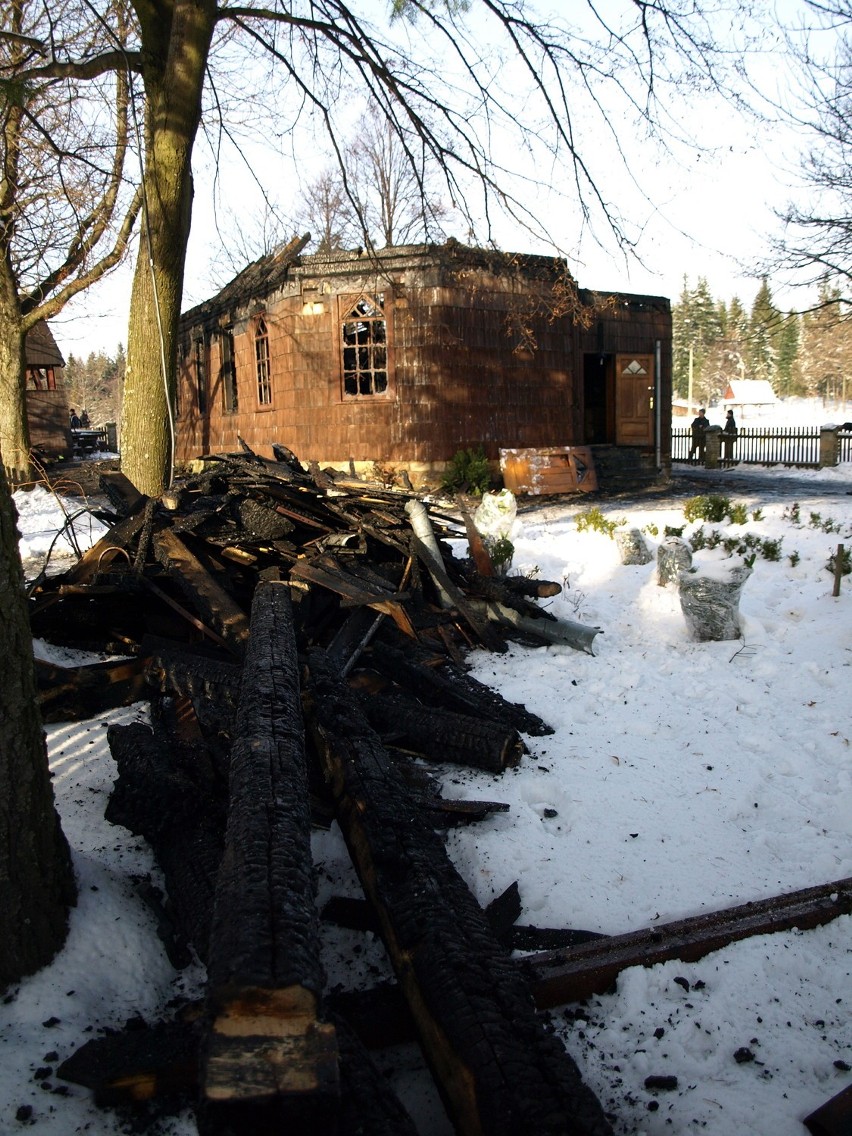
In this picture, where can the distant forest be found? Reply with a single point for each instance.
(807, 354)
(96, 384)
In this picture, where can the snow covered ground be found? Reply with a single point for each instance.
(683, 777)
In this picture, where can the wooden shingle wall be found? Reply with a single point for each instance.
(475, 357)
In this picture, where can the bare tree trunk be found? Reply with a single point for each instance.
(177, 38)
(36, 877)
(14, 429)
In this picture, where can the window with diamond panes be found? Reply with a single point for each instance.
(365, 347)
(261, 356)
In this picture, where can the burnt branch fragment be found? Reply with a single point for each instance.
(443, 735)
(497, 1068)
(437, 681)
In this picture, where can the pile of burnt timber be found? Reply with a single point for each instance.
(302, 639)
(299, 638)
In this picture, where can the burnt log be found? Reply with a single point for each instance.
(497, 1068)
(184, 824)
(440, 683)
(268, 1058)
(443, 735)
(159, 1063)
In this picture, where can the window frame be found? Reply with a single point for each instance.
(262, 363)
(228, 371)
(199, 367)
(371, 350)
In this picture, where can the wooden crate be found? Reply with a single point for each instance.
(556, 469)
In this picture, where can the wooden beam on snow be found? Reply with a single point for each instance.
(593, 967)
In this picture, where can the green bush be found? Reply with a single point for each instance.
(771, 549)
(673, 530)
(594, 519)
(468, 472)
(738, 514)
(713, 508)
(501, 550)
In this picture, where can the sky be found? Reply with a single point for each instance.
(683, 776)
(704, 210)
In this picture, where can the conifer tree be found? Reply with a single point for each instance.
(764, 329)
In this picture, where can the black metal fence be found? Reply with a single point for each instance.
(769, 445)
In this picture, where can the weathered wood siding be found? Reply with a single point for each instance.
(47, 413)
(475, 356)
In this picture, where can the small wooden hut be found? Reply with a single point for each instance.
(47, 398)
(404, 356)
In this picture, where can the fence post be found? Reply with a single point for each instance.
(713, 448)
(829, 446)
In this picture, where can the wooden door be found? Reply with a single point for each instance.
(634, 400)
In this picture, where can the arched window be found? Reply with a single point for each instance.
(365, 347)
(200, 377)
(261, 357)
(229, 371)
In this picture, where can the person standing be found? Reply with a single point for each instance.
(729, 436)
(75, 421)
(699, 435)
(84, 420)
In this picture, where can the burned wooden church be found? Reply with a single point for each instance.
(404, 356)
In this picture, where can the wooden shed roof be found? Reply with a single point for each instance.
(40, 347)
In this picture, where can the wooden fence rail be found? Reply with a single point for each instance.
(770, 445)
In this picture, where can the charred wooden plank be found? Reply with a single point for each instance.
(354, 591)
(834, 1118)
(592, 968)
(191, 619)
(444, 735)
(443, 812)
(504, 911)
(69, 693)
(267, 1049)
(499, 1070)
(122, 494)
(213, 684)
(443, 684)
(478, 550)
(501, 592)
(367, 1102)
(154, 797)
(210, 600)
(140, 1063)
